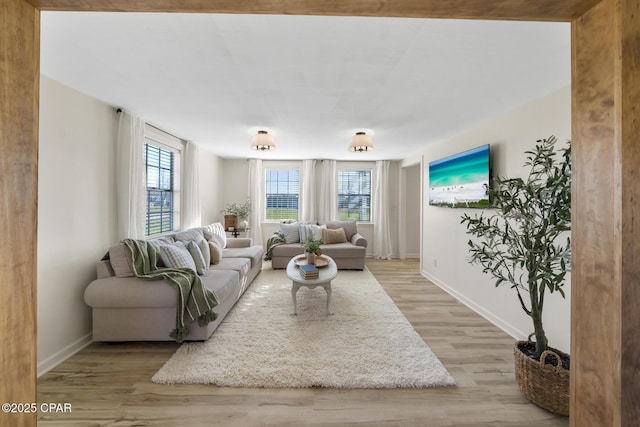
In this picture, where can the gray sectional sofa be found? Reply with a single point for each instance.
(126, 308)
(348, 252)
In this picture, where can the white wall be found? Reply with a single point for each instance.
(444, 239)
(411, 216)
(76, 218)
(394, 210)
(236, 178)
(76, 212)
(212, 181)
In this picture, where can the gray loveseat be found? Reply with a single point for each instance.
(348, 253)
(126, 308)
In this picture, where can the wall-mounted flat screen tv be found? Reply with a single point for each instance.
(460, 180)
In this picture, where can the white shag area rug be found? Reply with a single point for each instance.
(366, 343)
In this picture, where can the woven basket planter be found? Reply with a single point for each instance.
(545, 385)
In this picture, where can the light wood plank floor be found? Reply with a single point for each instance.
(109, 384)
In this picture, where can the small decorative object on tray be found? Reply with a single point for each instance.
(309, 271)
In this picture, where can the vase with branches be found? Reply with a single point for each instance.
(238, 213)
(241, 210)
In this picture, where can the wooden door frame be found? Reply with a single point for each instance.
(605, 96)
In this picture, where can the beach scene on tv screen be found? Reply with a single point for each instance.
(460, 180)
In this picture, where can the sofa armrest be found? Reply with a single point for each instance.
(358, 240)
(239, 242)
(104, 269)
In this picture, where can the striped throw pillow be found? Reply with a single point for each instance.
(307, 230)
(194, 250)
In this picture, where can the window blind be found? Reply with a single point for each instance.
(354, 195)
(160, 188)
(282, 194)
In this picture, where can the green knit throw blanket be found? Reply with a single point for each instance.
(275, 240)
(194, 300)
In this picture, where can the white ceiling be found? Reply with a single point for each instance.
(312, 81)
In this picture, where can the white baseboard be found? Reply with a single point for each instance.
(60, 356)
(396, 256)
(500, 323)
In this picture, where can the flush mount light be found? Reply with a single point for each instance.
(360, 142)
(262, 141)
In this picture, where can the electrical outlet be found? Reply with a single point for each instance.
(435, 262)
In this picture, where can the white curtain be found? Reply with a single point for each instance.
(130, 186)
(381, 231)
(328, 194)
(257, 196)
(191, 209)
(308, 191)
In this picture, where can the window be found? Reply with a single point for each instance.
(162, 165)
(159, 169)
(354, 195)
(283, 193)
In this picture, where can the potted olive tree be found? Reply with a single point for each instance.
(525, 243)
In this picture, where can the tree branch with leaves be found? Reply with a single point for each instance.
(523, 244)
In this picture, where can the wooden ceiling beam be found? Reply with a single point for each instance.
(538, 10)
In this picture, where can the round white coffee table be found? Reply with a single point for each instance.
(325, 275)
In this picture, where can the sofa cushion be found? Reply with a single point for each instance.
(254, 253)
(350, 227)
(343, 250)
(131, 292)
(223, 283)
(177, 256)
(288, 250)
(239, 242)
(290, 232)
(187, 235)
(120, 258)
(126, 292)
(206, 232)
(218, 233)
(333, 236)
(241, 265)
(336, 250)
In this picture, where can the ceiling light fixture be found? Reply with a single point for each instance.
(360, 143)
(262, 141)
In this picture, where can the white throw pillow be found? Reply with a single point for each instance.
(317, 232)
